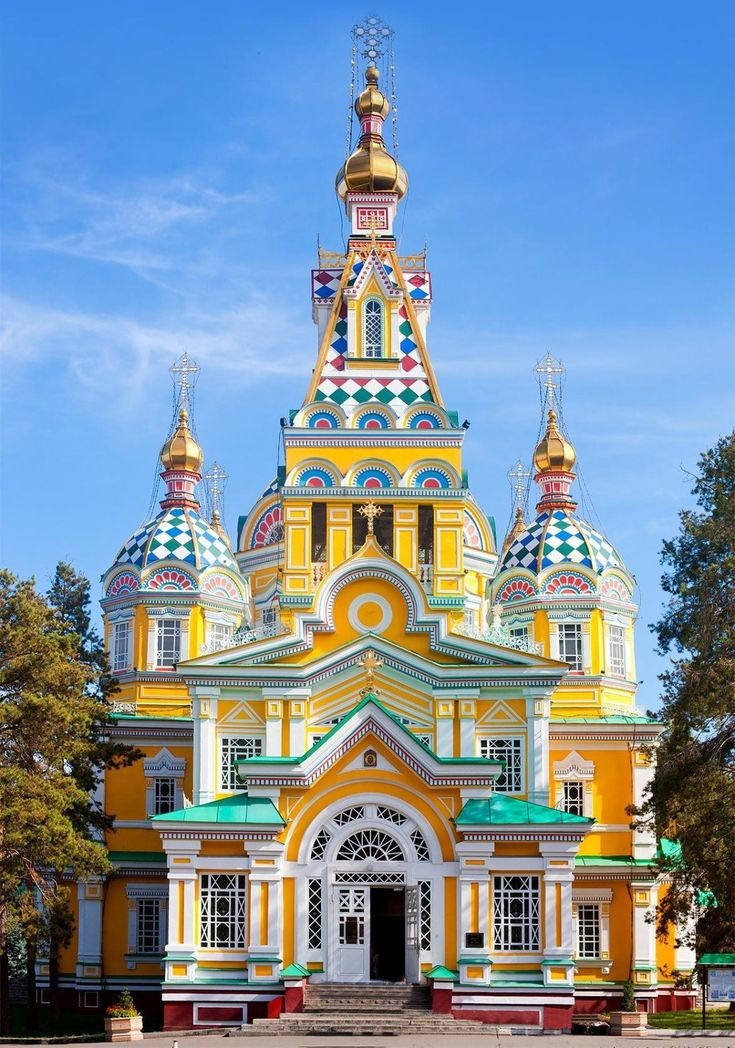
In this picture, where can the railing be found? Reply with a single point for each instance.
(426, 577)
(244, 636)
(501, 636)
(318, 573)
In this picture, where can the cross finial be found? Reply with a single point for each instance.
(373, 223)
(184, 373)
(372, 37)
(370, 511)
(550, 369)
(216, 477)
(370, 662)
(518, 477)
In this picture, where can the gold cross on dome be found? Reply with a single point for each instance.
(373, 224)
(370, 511)
(370, 662)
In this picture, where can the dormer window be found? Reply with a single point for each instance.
(372, 328)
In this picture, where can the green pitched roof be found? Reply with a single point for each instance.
(499, 809)
(369, 699)
(137, 856)
(618, 718)
(610, 860)
(442, 974)
(726, 960)
(239, 808)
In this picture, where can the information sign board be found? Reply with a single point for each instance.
(721, 985)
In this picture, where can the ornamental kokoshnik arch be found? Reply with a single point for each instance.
(367, 873)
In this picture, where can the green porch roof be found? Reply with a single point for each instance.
(369, 699)
(618, 718)
(715, 960)
(239, 808)
(611, 860)
(499, 809)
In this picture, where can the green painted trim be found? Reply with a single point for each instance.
(557, 962)
(123, 856)
(295, 971)
(237, 809)
(264, 960)
(714, 960)
(612, 860)
(500, 809)
(442, 974)
(474, 960)
(619, 719)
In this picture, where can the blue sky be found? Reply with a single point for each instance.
(168, 168)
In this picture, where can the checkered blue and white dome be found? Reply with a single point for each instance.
(556, 538)
(176, 534)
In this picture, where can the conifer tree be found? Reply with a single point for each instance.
(692, 799)
(53, 745)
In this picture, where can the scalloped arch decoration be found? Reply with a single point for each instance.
(425, 420)
(568, 584)
(170, 579)
(268, 527)
(516, 589)
(323, 420)
(372, 477)
(615, 589)
(431, 477)
(220, 585)
(123, 583)
(373, 420)
(472, 536)
(315, 477)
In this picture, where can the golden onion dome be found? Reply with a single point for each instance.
(553, 451)
(181, 451)
(371, 168)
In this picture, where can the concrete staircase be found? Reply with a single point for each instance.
(356, 1009)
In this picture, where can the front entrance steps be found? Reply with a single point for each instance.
(360, 1009)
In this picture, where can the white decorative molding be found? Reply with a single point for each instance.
(574, 766)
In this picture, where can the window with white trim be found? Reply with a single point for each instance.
(372, 328)
(516, 908)
(148, 927)
(236, 748)
(588, 929)
(315, 907)
(120, 646)
(616, 650)
(591, 926)
(168, 643)
(164, 782)
(510, 751)
(219, 635)
(519, 632)
(570, 644)
(573, 797)
(222, 911)
(164, 795)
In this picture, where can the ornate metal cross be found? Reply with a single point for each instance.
(372, 37)
(550, 369)
(370, 510)
(370, 662)
(518, 477)
(184, 373)
(215, 479)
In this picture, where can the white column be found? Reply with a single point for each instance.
(558, 945)
(444, 714)
(645, 897)
(264, 942)
(273, 727)
(467, 722)
(538, 713)
(204, 709)
(180, 948)
(90, 894)
(644, 840)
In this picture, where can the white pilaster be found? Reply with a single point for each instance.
(644, 840)
(538, 713)
(204, 709)
(444, 714)
(90, 894)
(645, 897)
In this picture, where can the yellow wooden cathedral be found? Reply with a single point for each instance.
(379, 748)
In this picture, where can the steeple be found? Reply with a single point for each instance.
(182, 459)
(554, 460)
(371, 168)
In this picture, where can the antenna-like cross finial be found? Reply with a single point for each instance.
(184, 373)
(370, 511)
(518, 476)
(372, 36)
(549, 368)
(216, 477)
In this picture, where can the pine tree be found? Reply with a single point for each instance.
(692, 799)
(53, 745)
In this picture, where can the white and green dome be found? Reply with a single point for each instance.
(556, 538)
(177, 534)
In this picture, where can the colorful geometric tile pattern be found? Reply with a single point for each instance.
(176, 534)
(396, 393)
(419, 286)
(560, 538)
(324, 283)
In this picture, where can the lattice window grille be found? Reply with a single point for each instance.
(516, 913)
(370, 844)
(373, 329)
(422, 848)
(391, 815)
(148, 926)
(351, 912)
(121, 646)
(168, 642)
(369, 877)
(570, 644)
(222, 910)
(236, 749)
(349, 815)
(315, 913)
(573, 798)
(588, 930)
(319, 846)
(510, 751)
(219, 635)
(425, 915)
(426, 739)
(616, 648)
(164, 795)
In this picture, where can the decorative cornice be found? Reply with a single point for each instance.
(350, 438)
(428, 494)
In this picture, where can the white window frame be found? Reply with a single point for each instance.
(222, 901)
(564, 633)
(167, 625)
(163, 765)
(228, 779)
(148, 894)
(219, 626)
(616, 659)
(499, 747)
(369, 342)
(510, 889)
(600, 898)
(574, 768)
(120, 645)
(573, 796)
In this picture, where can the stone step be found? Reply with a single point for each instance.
(302, 1025)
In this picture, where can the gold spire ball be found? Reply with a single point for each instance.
(371, 168)
(181, 451)
(553, 451)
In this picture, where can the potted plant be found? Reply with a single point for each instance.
(123, 1021)
(628, 1022)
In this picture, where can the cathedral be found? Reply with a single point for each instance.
(382, 744)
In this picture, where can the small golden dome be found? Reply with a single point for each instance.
(553, 451)
(181, 451)
(372, 100)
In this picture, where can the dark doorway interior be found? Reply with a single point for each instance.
(388, 934)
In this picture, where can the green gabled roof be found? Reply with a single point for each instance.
(669, 850)
(239, 808)
(442, 974)
(369, 699)
(295, 971)
(499, 809)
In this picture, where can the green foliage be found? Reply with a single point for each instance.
(692, 798)
(628, 1004)
(123, 1008)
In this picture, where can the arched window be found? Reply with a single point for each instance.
(372, 328)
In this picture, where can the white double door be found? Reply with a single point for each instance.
(356, 947)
